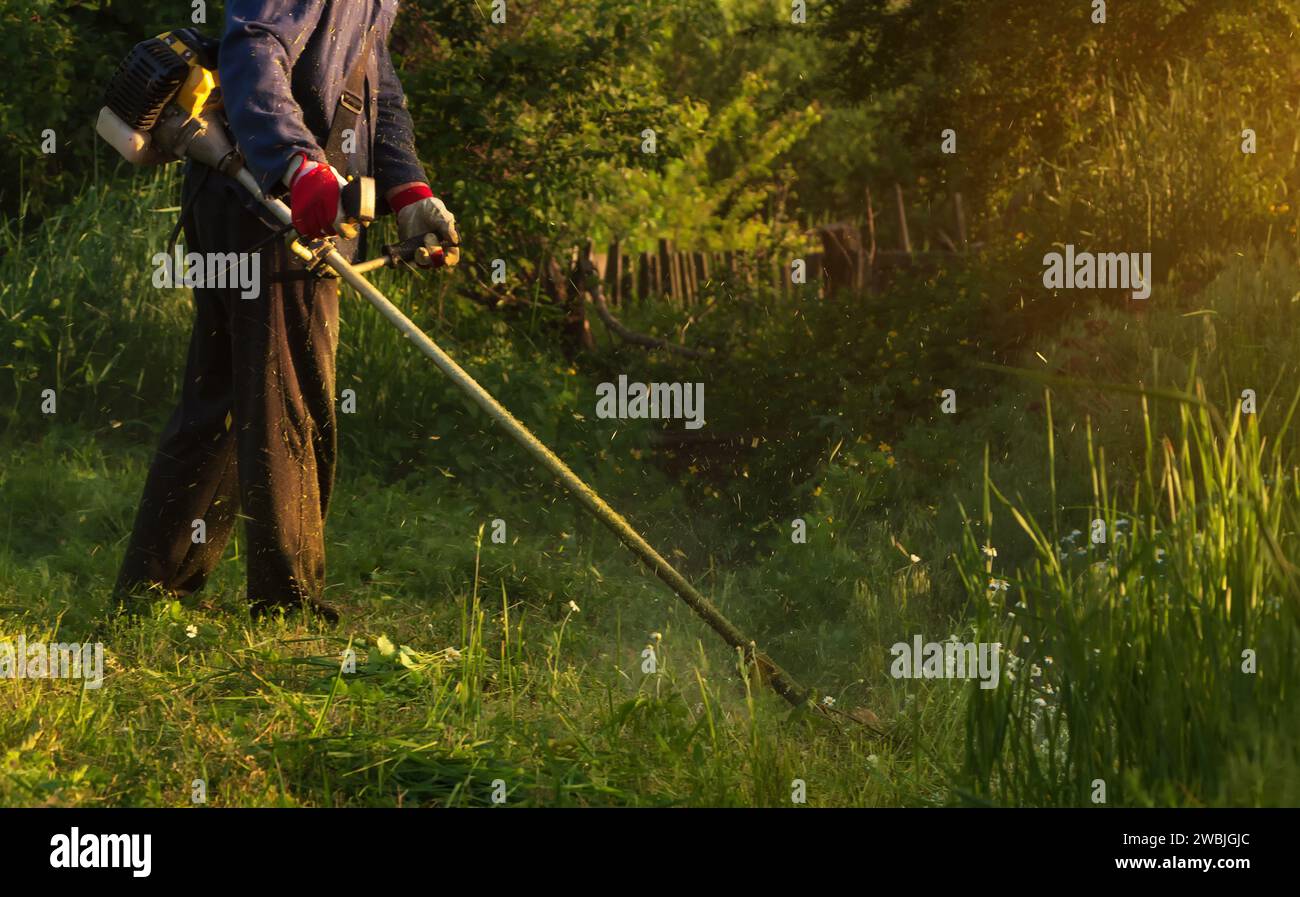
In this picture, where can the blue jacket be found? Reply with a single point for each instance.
(282, 68)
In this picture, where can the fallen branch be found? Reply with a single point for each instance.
(593, 290)
(597, 296)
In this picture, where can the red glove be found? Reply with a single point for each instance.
(401, 197)
(314, 199)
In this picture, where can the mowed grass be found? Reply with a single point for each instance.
(474, 674)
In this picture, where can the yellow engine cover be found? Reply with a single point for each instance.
(202, 86)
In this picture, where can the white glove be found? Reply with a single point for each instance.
(430, 216)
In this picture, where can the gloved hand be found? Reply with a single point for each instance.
(419, 212)
(313, 197)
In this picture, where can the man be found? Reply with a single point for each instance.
(255, 428)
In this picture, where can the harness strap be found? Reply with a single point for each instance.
(351, 103)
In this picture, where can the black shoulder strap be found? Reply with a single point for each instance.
(351, 102)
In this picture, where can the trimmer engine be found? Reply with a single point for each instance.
(164, 102)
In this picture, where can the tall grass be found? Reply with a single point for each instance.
(1153, 646)
(1159, 165)
(77, 301)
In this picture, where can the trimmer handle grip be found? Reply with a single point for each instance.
(417, 250)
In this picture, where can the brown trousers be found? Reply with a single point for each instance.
(255, 427)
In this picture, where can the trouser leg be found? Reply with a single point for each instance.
(255, 427)
(191, 493)
(285, 427)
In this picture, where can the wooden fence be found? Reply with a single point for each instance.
(849, 260)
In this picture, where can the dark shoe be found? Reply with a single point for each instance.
(327, 612)
(133, 603)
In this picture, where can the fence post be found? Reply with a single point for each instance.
(644, 284)
(665, 265)
(614, 272)
(576, 324)
(815, 272)
(902, 219)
